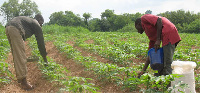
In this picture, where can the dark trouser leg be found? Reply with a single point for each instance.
(168, 59)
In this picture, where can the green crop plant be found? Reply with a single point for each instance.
(107, 72)
(197, 81)
(5, 74)
(160, 84)
(57, 73)
(120, 48)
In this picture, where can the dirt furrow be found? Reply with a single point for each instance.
(79, 70)
(34, 76)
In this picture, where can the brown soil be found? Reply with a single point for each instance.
(79, 70)
(34, 76)
(42, 85)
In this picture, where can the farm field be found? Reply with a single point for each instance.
(84, 61)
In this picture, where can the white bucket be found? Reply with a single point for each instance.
(185, 68)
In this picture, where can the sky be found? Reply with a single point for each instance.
(96, 7)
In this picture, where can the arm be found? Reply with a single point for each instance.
(146, 64)
(159, 31)
(159, 28)
(144, 68)
(151, 44)
(40, 42)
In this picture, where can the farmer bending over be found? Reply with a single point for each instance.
(159, 29)
(17, 30)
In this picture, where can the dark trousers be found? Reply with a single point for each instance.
(168, 59)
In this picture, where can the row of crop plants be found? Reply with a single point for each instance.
(118, 47)
(112, 47)
(5, 74)
(57, 73)
(53, 71)
(136, 45)
(184, 51)
(123, 76)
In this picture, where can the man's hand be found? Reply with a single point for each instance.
(157, 45)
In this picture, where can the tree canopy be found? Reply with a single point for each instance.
(13, 8)
(109, 20)
(86, 18)
(185, 21)
(67, 18)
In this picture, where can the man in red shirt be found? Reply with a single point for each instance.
(159, 29)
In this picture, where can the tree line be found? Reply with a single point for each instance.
(13, 8)
(185, 21)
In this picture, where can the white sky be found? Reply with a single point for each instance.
(96, 7)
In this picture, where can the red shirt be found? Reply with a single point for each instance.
(169, 31)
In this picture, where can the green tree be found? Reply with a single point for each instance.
(57, 18)
(148, 12)
(122, 20)
(105, 25)
(28, 8)
(107, 14)
(86, 18)
(193, 27)
(94, 24)
(67, 18)
(12, 8)
(179, 16)
(107, 20)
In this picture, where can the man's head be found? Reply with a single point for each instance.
(39, 18)
(138, 25)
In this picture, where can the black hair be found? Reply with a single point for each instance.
(137, 21)
(39, 17)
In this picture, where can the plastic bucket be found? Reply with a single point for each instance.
(156, 58)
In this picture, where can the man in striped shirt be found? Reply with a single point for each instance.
(18, 30)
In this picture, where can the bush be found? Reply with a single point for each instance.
(56, 29)
(193, 27)
(128, 28)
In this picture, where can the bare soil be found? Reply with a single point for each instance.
(34, 76)
(42, 85)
